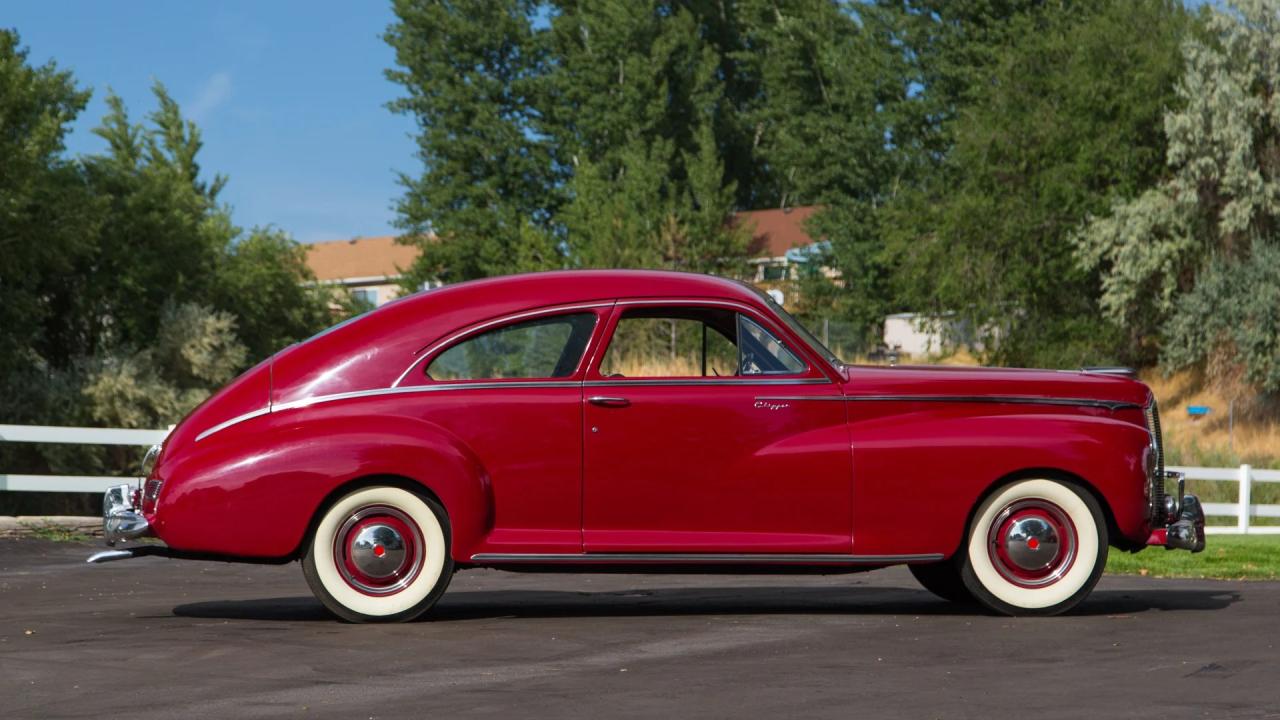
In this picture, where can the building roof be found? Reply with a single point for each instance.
(774, 232)
(370, 257)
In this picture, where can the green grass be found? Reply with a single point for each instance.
(1226, 557)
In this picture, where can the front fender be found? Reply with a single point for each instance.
(918, 474)
(251, 490)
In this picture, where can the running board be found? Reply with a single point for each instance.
(704, 558)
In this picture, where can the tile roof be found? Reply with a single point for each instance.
(359, 258)
(774, 232)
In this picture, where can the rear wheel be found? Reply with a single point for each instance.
(942, 579)
(380, 554)
(1036, 547)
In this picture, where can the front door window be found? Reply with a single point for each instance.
(694, 342)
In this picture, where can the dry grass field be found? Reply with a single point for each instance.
(1212, 441)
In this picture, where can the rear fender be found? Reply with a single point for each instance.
(252, 490)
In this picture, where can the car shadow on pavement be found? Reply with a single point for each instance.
(491, 604)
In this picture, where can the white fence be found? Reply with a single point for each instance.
(1242, 510)
(71, 436)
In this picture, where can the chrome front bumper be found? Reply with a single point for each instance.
(121, 517)
(1185, 518)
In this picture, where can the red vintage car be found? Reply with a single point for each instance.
(648, 421)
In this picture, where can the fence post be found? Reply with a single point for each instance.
(1246, 478)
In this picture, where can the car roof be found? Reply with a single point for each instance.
(557, 287)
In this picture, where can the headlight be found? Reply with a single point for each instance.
(149, 461)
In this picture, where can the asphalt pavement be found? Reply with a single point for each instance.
(158, 638)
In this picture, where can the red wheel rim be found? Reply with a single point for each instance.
(378, 550)
(1032, 543)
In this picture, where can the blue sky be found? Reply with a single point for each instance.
(289, 96)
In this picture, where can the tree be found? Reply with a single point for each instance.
(1068, 119)
(1218, 207)
(263, 281)
(1230, 321)
(483, 202)
(633, 101)
(47, 218)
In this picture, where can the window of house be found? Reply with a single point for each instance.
(774, 272)
(549, 347)
(693, 342)
(365, 296)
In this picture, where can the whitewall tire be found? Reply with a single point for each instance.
(1035, 547)
(379, 554)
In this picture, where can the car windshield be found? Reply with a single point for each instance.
(799, 329)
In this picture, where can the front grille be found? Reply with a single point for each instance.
(1157, 483)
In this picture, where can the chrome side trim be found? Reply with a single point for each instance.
(987, 399)
(823, 398)
(737, 380)
(481, 327)
(703, 558)
(233, 421)
(688, 300)
(306, 402)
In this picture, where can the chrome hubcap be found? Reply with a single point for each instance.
(378, 550)
(1032, 543)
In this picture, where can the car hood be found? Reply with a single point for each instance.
(989, 383)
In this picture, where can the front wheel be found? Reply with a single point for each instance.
(380, 554)
(1036, 547)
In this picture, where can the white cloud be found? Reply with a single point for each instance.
(215, 92)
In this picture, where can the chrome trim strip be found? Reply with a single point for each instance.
(700, 558)
(472, 329)
(987, 399)
(824, 398)
(690, 300)
(233, 421)
(306, 402)
(997, 399)
(736, 380)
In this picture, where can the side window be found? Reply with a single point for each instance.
(672, 342)
(693, 342)
(549, 347)
(763, 354)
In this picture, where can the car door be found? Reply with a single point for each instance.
(706, 430)
(510, 391)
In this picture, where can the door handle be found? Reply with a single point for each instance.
(608, 401)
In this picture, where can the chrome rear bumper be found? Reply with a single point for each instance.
(121, 517)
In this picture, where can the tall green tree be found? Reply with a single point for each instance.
(1216, 213)
(47, 213)
(105, 252)
(833, 123)
(634, 99)
(1069, 119)
(483, 202)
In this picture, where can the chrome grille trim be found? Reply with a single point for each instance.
(1152, 413)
